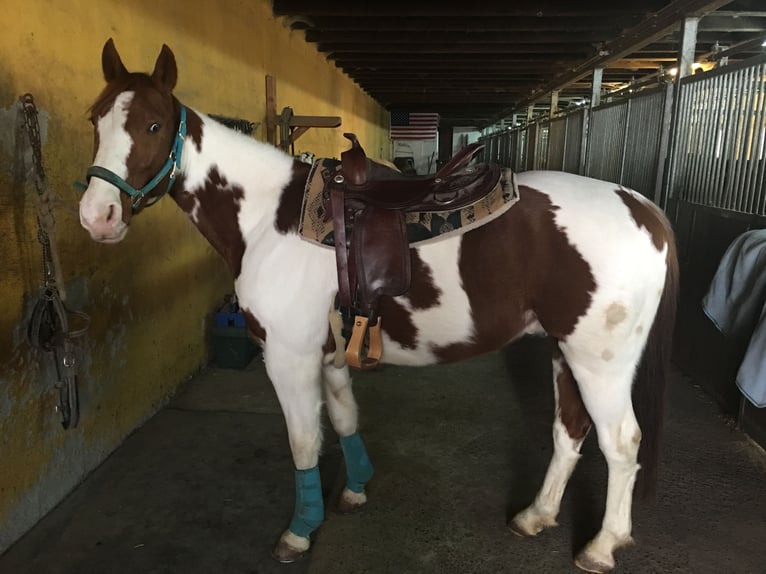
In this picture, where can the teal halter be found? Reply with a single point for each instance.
(172, 165)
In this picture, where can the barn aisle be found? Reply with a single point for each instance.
(205, 486)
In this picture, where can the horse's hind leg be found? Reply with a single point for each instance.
(296, 379)
(608, 399)
(342, 409)
(569, 429)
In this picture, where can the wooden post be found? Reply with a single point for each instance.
(292, 127)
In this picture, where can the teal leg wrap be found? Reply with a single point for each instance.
(358, 466)
(309, 504)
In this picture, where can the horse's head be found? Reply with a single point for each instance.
(139, 128)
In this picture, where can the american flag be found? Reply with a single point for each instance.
(414, 126)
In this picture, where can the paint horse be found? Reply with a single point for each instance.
(588, 264)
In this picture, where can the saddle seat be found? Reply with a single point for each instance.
(367, 203)
(454, 186)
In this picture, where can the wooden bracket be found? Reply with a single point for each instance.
(291, 127)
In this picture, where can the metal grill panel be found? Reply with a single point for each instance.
(642, 146)
(541, 150)
(606, 141)
(557, 134)
(718, 156)
(572, 153)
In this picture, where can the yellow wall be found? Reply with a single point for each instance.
(149, 296)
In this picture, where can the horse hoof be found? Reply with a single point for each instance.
(350, 501)
(520, 531)
(526, 524)
(290, 548)
(589, 563)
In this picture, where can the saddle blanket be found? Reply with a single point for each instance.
(316, 224)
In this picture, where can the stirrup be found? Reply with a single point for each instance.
(355, 356)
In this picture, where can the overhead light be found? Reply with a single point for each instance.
(763, 43)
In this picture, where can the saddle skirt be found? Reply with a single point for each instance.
(316, 223)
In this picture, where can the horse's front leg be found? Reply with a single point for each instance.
(343, 413)
(297, 380)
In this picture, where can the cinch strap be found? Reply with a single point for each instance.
(309, 505)
(358, 466)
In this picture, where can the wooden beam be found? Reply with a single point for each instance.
(610, 20)
(315, 122)
(489, 8)
(426, 38)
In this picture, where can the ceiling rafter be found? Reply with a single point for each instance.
(485, 62)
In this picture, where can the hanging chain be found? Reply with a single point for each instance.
(45, 219)
(49, 327)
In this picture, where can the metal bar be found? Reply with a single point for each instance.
(564, 147)
(584, 141)
(755, 139)
(714, 119)
(707, 100)
(744, 131)
(759, 181)
(623, 153)
(719, 141)
(554, 101)
(595, 95)
(688, 45)
(717, 123)
(758, 139)
(662, 154)
(726, 156)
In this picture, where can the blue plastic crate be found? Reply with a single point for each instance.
(230, 319)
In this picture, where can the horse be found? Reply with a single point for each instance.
(588, 264)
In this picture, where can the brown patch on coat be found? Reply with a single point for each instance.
(194, 128)
(520, 262)
(254, 327)
(570, 408)
(397, 323)
(423, 294)
(646, 216)
(217, 215)
(291, 200)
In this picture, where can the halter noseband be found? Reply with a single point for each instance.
(172, 165)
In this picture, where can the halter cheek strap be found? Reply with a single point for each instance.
(172, 166)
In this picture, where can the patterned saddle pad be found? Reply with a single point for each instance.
(316, 224)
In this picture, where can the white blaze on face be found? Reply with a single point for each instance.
(100, 207)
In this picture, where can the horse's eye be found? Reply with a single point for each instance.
(153, 128)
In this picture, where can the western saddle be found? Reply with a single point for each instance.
(367, 203)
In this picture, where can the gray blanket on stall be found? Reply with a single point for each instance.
(736, 303)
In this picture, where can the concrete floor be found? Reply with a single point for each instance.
(206, 485)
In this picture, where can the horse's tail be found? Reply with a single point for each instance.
(652, 375)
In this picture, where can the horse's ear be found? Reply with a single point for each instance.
(165, 71)
(111, 62)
